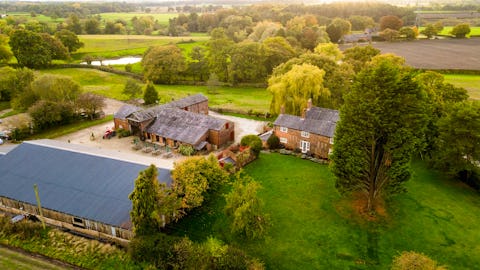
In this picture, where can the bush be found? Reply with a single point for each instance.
(123, 133)
(273, 142)
(128, 67)
(254, 142)
(155, 249)
(414, 261)
(461, 30)
(186, 150)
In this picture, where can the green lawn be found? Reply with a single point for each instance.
(469, 82)
(111, 46)
(313, 227)
(110, 85)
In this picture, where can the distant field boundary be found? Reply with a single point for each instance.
(101, 68)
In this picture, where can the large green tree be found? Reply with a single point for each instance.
(293, 89)
(198, 65)
(5, 54)
(193, 177)
(150, 95)
(219, 47)
(277, 50)
(163, 64)
(56, 88)
(358, 56)
(247, 63)
(381, 124)
(338, 28)
(245, 208)
(30, 49)
(145, 198)
(90, 103)
(458, 143)
(132, 89)
(69, 39)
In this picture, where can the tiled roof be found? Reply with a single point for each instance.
(323, 114)
(317, 120)
(184, 126)
(125, 111)
(72, 179)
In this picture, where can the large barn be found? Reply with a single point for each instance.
(181, 122)
(81, 188)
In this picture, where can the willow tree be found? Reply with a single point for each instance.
(293, 89)
(381, 124)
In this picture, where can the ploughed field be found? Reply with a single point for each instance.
(462, 54)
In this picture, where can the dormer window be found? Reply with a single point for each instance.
(284, 129)
(305, 134)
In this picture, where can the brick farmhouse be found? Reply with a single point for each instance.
(312, 133)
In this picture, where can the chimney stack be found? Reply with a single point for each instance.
(282, 109)
(309, 104)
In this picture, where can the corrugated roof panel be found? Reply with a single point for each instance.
(80, 184)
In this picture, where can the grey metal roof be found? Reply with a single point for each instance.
(320, 127)
(71, 180)
(324, 114)
(184, 126)
(125, 111)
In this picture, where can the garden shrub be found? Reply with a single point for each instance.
(155, 249)
(123, 133)
(273, 142)
(254, 142)
(186, 150)
(410, 260)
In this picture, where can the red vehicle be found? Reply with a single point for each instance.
(109, 134)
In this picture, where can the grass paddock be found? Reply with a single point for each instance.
(315, 228)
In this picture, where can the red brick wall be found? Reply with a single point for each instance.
(201, 107)
(121, 123)
(319, 145)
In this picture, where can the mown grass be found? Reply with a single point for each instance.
(313, 227)
(112, 46)
(70, 128)
(470, 82)
(241, 99)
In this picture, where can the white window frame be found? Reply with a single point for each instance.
(304, 146)
(284, 129)
(331, 140)
(305, 134)
(283, 140)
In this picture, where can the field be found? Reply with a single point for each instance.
(314, 228)
(162, 18)
(461, 54)
(13, 260)
(469, 82)
(112, 46)
(474, 31)
(111, 85)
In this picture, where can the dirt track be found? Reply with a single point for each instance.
(434, 54)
